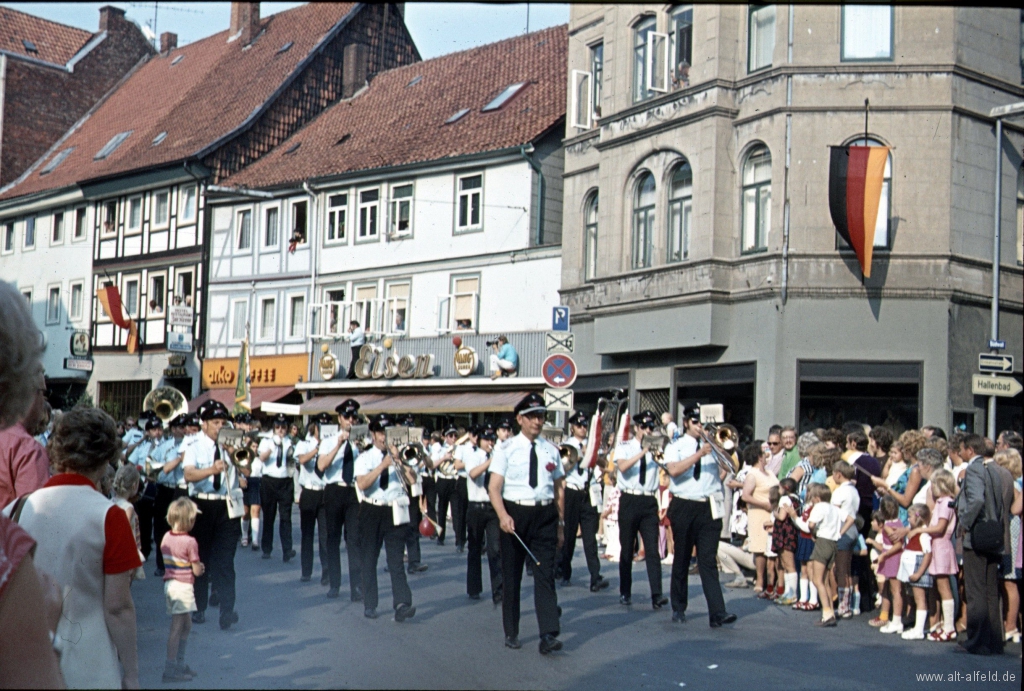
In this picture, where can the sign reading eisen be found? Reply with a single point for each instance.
(374, 364)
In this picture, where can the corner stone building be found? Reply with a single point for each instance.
(699, 257)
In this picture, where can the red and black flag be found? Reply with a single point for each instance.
(854, 190)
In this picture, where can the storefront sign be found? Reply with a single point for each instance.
(466, 361)
(176, 360)
(175, 372)
(266, 370)
(179, 315)
(328, 366)
(80, 344)
(374, 364)
(80, 364)
(179, 342)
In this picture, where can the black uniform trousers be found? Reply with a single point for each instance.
(459, 511)
(164, 498)
(984, 613)
(430, 492)
(692, 525)
(277, 493)
(342, 508)
(377, 528)
(218, 537)
(482, 523)
(447, 495)
(312, 517)
(144, 508)
(412, 536)
(580, 513)
(537, 526)
(638, 513)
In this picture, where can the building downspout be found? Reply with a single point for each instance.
(996, 247)
(313, 246)
(785, 185)
(200, 347)
(525, 152)
(3, 99)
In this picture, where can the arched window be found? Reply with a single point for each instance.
(883, 223)
(680, 212)
(757, 199)
(643, 221)
(590, 237)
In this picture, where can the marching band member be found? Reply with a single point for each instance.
(172, 463)
(461, 490)
(526, 491)
(427, 479)
(696, 516)
(147, 496)
(482, 521)
(216, 490)
(336, 465)
(446, 481)
(312, 512)
(383, 520)
(504, 432)
(637, 479)
(166, 483)
(580, 511)
(133, 433)
(278, 489)
(417, 505)
(251, 519)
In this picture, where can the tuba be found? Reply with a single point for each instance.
(570, 456)
(167, 402)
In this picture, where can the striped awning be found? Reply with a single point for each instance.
(432, 403)
(227, 396)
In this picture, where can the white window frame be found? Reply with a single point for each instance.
(394, 206)
(50, 318)
(752, 45)
(29, 221)
(137, 280)
(77, 236)
(759, 243)
(262, 337)
(233, 326)
(638, 65)
(108, 228)
(590, 235)
(680, 208)
(54, 225)
(10, 237)
(391, 305)
(166, 222)
(365, 310)
(266, 226)
(470, 227)
(372, 211)
(149, 294)
(339, 216)
(129, 229)
(676, 27)
(342, 307)
(446, 305)
(289, 332)
(183, 196)
(294, 221)
(240, 214)
(101, 315)
(872, 22)
(581, 108)
(178, 273)
(27, 293)
(643, 223)
(72, 315)
(596, 79)
(657, 62)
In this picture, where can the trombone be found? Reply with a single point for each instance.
(722, 441)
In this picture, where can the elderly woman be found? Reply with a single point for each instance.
(801, 474)
(929, 460)
(86, 541)
(907, 484)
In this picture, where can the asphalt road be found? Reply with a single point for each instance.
(290, 636)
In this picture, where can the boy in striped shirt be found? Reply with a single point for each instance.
(181, 566)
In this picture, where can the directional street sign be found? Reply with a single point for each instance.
(559, 371)
(995, 363)
(996, 345)
(558, 399)
(560, 342)
(560, 318)
(982, 385)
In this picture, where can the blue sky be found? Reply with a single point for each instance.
(437, 28)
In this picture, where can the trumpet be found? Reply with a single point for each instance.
(241, 458)
(152, 468)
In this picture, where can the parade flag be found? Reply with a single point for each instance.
(243, 396)
(110, 299)
(854, 191)
(625, 432)
(593, 442)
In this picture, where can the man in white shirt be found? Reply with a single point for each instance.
(336, 465)
(312, 513)
(580, 511)
(383, 519)
(527, 492)
(446, 479)
(637, 479)
(846, 498)
(356, 339)
(481, 519)
(277, 491)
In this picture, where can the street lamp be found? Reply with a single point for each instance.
(998, 113)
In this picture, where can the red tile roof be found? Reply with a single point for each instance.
(395, 123)
(55, 43)
(210, 91)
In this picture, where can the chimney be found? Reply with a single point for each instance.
(353, 69)
(168, 42)
(110, 15)
(245, 22)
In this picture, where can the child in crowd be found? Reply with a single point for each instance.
(888, 516)
(784, 539)
(804, 548)
(917, 556)
(665, 546)
(610, 519)
(124, 488)
(943, 557)
(182, 565)
(824, 522)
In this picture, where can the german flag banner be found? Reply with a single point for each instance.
(111, 301)
(854, 191)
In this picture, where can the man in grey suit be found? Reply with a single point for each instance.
(987, 492)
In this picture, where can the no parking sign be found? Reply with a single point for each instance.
(559, 371)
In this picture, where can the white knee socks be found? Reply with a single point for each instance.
(256, 531)
(920, 618)
(245, 528)
(790, 580)
(947, 616)
(805, 589)
(814, 594)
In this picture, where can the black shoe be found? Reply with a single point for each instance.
(159, 573)
(404, 612)
(564, 583)
(723, 618)
(332, 593)
(357, 596)
(440, 542)
(678, 617)
(512, 642)
(255, 547)
(305, 579)
(625, 600)
(370, 613)
(289, 555)
(658, 601)
(496, 600)
(266, 555)
(474, 596)
(198, 617)
(599, 584)
(214, 599)
(418, 568)
(325, 580)
(459, 548)
(227, 619)
(828, 623)
(549, 644)
(559, 610)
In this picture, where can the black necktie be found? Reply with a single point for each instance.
(487, 473)
(533, 464)
(384, 478)
(346, 465)
(643, 470)
(280, 447)
(216, 476)
(696, 467)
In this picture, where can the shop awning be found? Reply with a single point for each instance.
(227, 396)
(433, 403)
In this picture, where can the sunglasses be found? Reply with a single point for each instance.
(348, 416)
(648, 427)
(775, 443)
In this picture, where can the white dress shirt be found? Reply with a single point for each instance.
(437, 452)
(307, 473)
(334, 474)
(629, 481)
(367, 461)
(476, 490)
(512, 462)
(684, 485)
(200, 455)
(276, 465)
(578, 477)
(827, 520)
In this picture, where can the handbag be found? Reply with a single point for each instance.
(987, 531)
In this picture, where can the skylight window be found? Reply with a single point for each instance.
(159, 138)
(415, 80)
(503, 97)
(344, 138)
(293, 148)
(29, 46)
(56, 161)
(286, 47)
(458, 116)
(178, 59)
(111, 146)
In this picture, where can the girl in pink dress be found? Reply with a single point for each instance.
(888, 516)
(943, 564)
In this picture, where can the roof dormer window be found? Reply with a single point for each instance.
(111, 146)
(457, 116)
(504, 97)
(29, 46)
(159, 138)
(56, 161)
